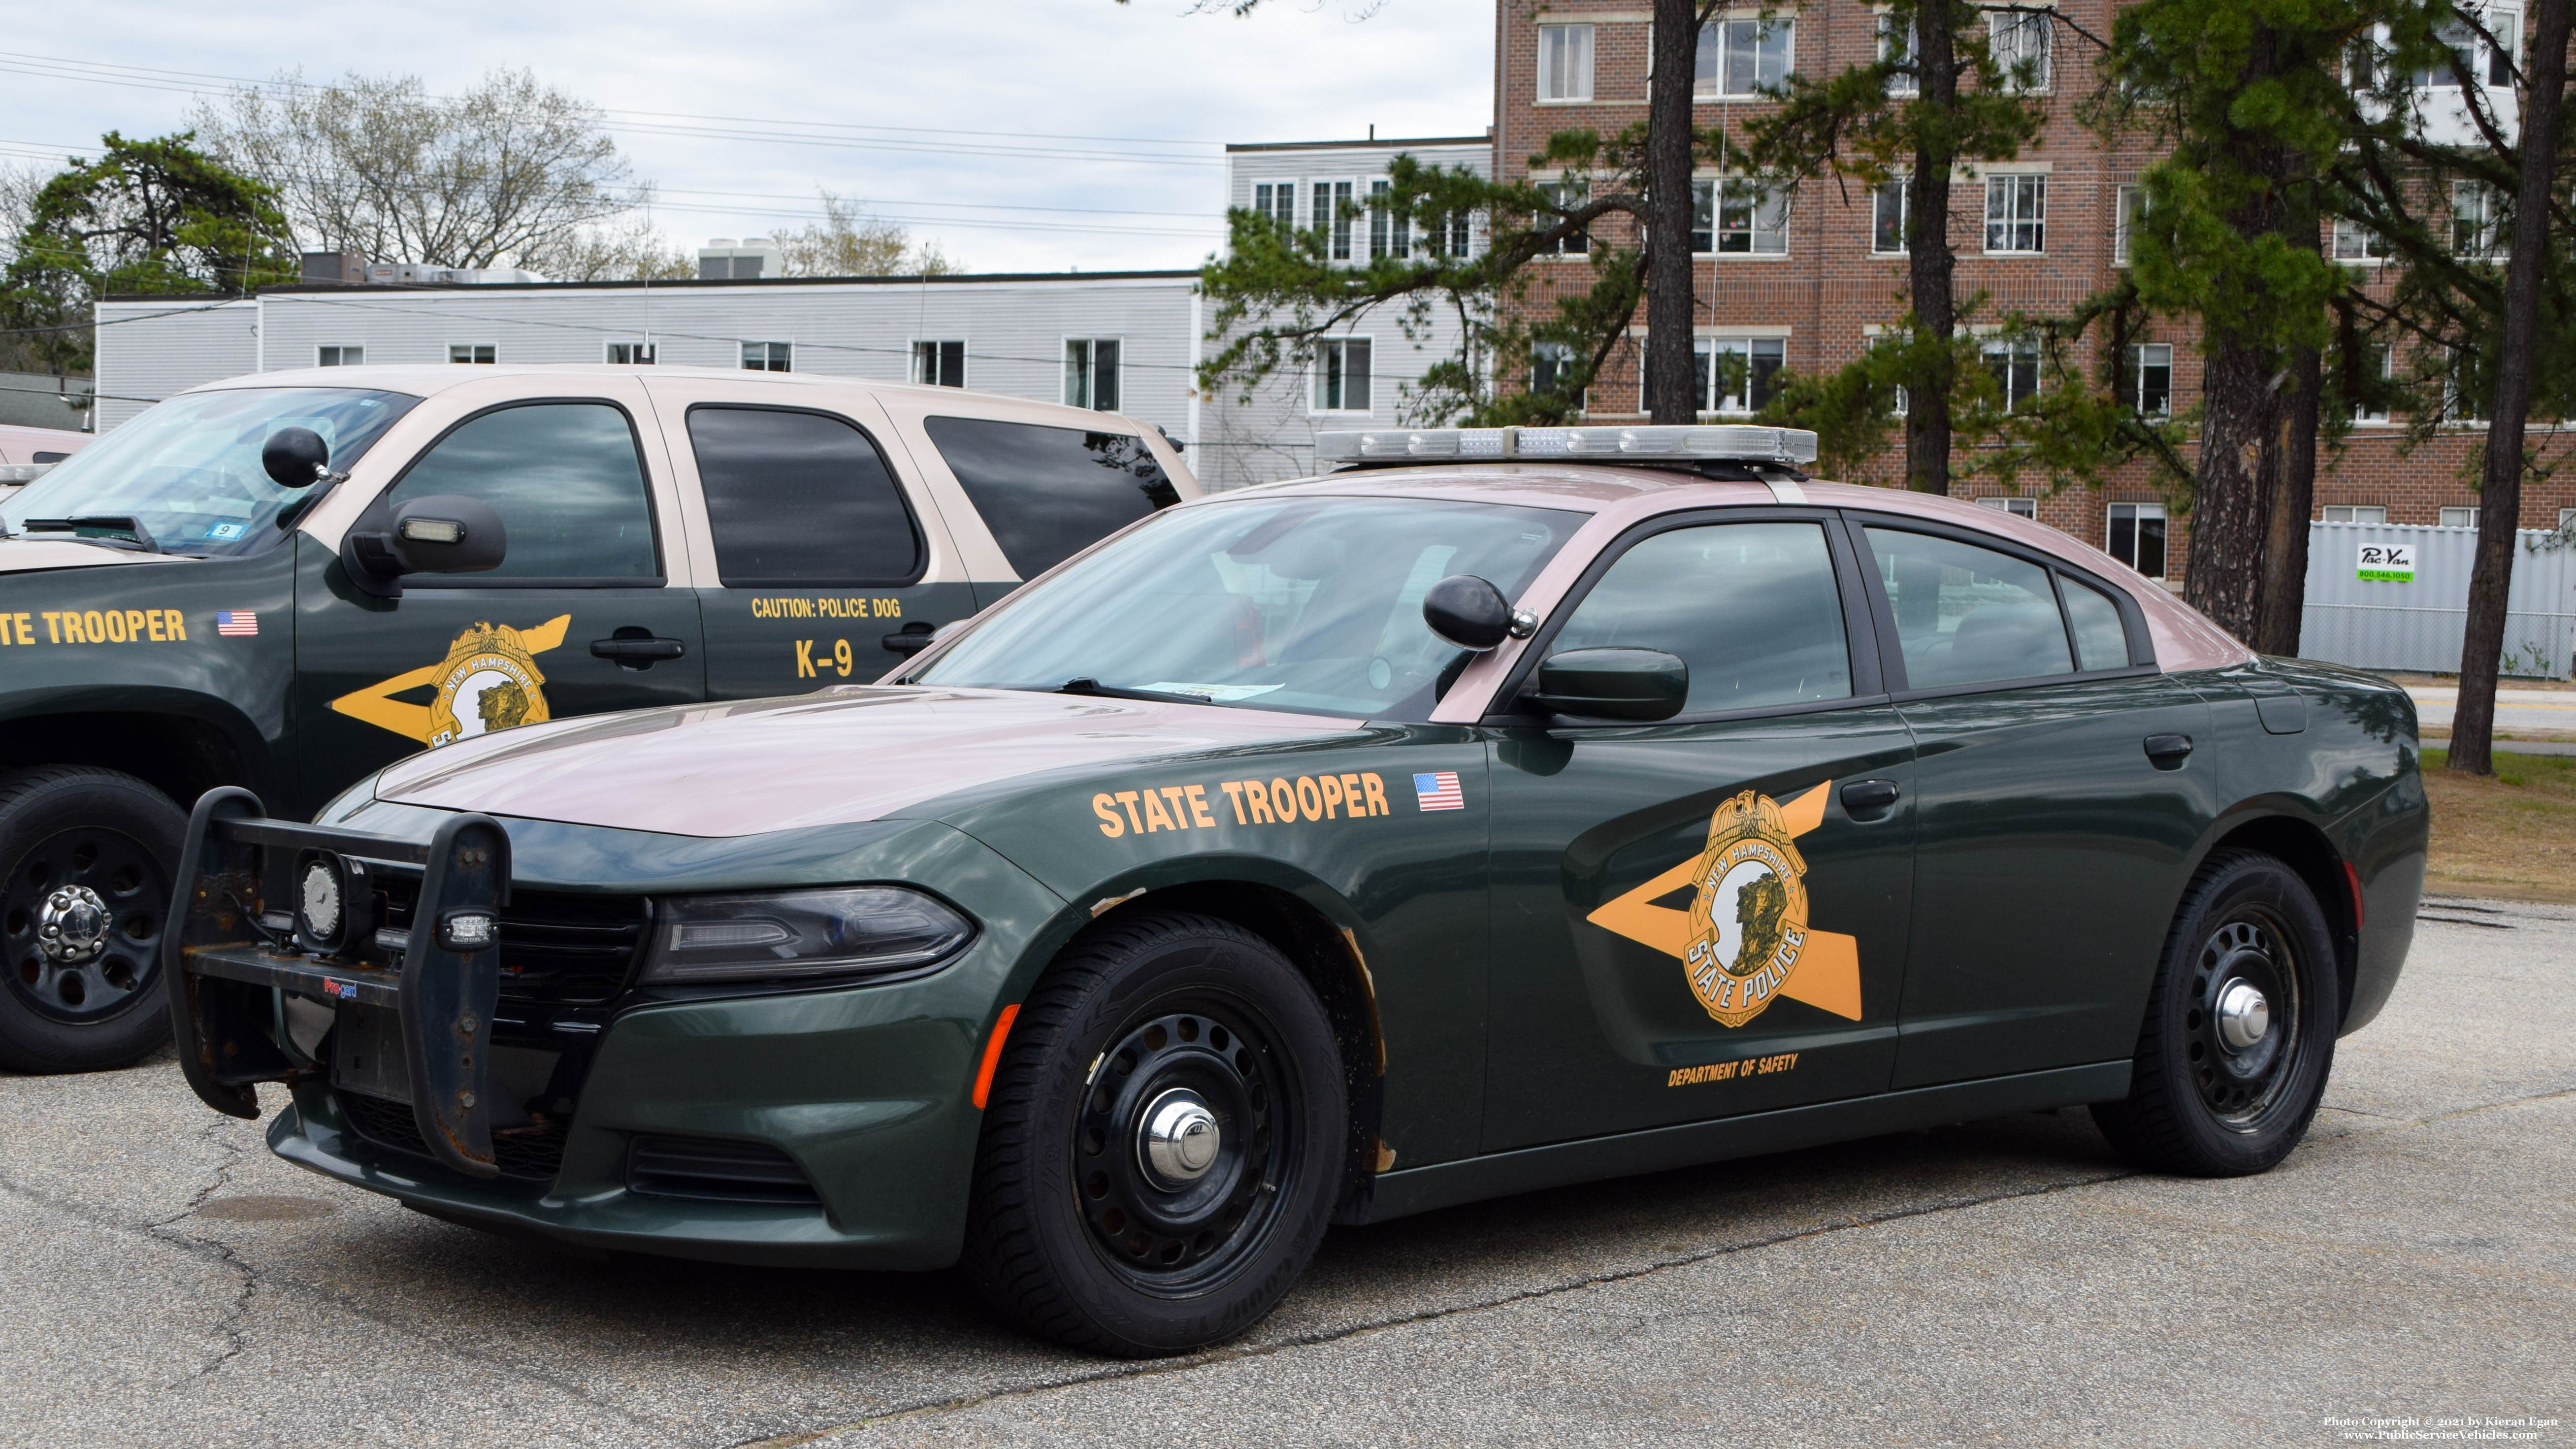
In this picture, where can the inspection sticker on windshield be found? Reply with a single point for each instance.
(1439, 791)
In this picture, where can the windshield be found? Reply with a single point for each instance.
(187, 471)
(1305, 604)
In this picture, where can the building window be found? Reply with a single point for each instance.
(2017, 213)
(1568, 195)
(2566, 516)
(1332, 199)
(1446, 235)
(2476, 57)
(1551, 364)
(1742, 58)
(1896, 48)
(1091, 373)
(1735, 215)
(768, 357)
(472, 352)
(1736, 374)
(1887, 213)
(2152, 363)
(939, 364)
(2017, 507)
(2459, 518)
(1341, 375)
(2356, 513)
(2137, 537)
(1277, 202)
(2016, 369)
(2383, 360)
(2019, 41)
(340, 356)
(2354, 242)
(1565, 62)
(633, 354)
(2129, 203)
(2481, 217)
(2464, 390)
(1390, 235)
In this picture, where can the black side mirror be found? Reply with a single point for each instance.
(1625, 684)
(1467, 611)
(445, 533)
(295, 457)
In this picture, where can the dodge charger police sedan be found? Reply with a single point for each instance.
(1507, 808)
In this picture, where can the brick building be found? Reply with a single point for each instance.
(1802, 281)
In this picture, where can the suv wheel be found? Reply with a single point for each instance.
(1163, 1142)
(86, 857)
(2240, 1028)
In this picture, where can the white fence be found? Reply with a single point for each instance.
(2415, 622)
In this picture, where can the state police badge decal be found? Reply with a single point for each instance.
(1749, 918)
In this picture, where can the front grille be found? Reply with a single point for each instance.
(710, 1169)
(557, 949)
(533, 1153)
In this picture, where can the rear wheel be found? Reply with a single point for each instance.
(2239, 1035)
(1163, 1143)
(86, 857)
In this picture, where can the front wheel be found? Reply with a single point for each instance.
(86, 857)
(2240, 1028)
(1163, 1143)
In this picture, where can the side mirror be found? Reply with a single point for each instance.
(1467, 611)
(1624, 684)
(445, 533)
(295, 457)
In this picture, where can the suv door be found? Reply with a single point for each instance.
(822, 566)
(2054, 846)
(1705, 916)
(579, 618)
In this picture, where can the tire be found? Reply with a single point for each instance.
(91, 852)
(1076, 1229)
(2209, 1097)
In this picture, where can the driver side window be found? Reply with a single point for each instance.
(567, 482)
(1752, 608)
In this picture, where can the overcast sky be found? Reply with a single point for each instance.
(1113, 118)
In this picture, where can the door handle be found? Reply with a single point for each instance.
(1862, 795)
(2167, 752)
(636, 648)
(911, 639)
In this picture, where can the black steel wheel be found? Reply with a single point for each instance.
(1164, 1140)
(86, 857)
(2239, 1036)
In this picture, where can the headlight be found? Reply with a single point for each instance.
(792, 935)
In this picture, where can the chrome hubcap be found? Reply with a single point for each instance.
(1178, 1139)
(2244, 1015)
(72, 925)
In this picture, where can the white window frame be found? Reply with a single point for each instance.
(2022, 25)
(1390, 235)
(1560, 192)
(2128, 203)
(1320, 375)
(1756, 33)
(2018, 222)
(470, 349)
(1090, 373)
(1567, 50)
(1277, 201)
(1901, 186)
(1720, 195)
(963, 353)
(2458, 408)
(2367, 417)
(2566, 517)
(2490, 64)
(2017, 507)
(2355, 513)
(2014, 353)
(1889, 50)
(1559, 355)
(1711, 400)
(2488, 210)
(2356, 244)
(2454, 517)
(638, 354)
(2143, 355)
(1326, 197)
(768, 355)
(336, 354)
(2138, 512)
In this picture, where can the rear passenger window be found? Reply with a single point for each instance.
(800, 499)
(1048, 493)
(567, 482)
(1750, 607)
(2100, 641)
(1968, 615)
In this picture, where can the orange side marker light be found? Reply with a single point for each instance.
(993, 1053)
(2354, 876)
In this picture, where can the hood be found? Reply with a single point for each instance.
(856, 752)
(29, 555)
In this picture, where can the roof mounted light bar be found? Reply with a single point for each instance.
(1727, 443)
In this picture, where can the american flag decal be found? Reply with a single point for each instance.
(236, 623)
(1439, 791)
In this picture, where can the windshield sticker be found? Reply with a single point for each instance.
(96, 626)
(1357, 796)
(489, 681)
(1745, 942)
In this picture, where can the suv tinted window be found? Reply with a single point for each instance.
(567, 482)
(1968, 615)
(800, 498)
(1750, 607)
(1048, 493)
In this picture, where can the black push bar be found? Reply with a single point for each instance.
(233, 959)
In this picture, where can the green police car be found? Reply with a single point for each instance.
(269, 583)
(1509, 808)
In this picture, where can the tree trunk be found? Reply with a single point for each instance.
(2500, 494)
(2285, 549)
(1929, 263)
(2232, 492)
(1670, 394)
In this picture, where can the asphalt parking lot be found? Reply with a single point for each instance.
(166, 1281)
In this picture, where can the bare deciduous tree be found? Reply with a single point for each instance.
(849, 242)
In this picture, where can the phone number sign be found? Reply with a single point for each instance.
(2386, 563)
